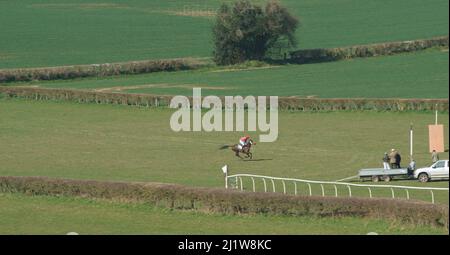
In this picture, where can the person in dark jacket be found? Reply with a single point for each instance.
(393, 159)
(398, 159)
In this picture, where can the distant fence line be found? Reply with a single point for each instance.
(239, 185)
(285, 103)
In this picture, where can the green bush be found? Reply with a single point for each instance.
(223, 201)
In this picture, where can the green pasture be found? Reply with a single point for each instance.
(21, 214)
(416, 75)
(106, 142)
(52, 33)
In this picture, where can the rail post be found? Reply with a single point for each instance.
(225, 172)
(253, 182)
(226, 181)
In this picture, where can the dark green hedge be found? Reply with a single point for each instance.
(362, 51)
(83, 96)
(223, 201)
(285, 103)
(363, 104)
(100, 70)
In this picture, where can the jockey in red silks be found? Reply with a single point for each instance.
(243, 142)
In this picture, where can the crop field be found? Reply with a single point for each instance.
(49, 33)
(106, 142)
(416, 75)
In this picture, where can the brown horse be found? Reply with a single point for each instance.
(245, 150)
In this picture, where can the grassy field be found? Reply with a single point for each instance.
(108, 142)
(49, 33)
(21, 214)
(417, 75)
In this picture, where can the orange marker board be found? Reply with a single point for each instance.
(436, 137)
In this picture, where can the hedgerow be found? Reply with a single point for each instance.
(285, 103)
(149, 66)
(363, 51)
(99, 70)
(223, 201)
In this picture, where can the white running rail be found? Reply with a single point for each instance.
(239, 185)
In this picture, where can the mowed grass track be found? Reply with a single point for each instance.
(417, 75)
(106, 142)
(20, 214)
(49, 33)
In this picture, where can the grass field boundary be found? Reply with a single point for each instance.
(239, 185)
(364, 51)
(100, 70)
(149, 66)
(285, 103)
(174, 196)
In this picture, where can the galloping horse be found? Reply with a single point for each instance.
(245, 150)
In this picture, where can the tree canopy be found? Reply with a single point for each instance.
(245, 31)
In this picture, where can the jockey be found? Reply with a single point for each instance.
(243, 142)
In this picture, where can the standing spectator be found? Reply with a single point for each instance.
(386, 161)
(393, 159)
(434, 156)
(398, 159)
(411, 167)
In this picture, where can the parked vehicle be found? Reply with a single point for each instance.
(377, 174)
(437, 171)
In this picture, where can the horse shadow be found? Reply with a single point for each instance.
(256, 160)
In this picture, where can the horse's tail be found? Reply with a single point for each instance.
(223, 147)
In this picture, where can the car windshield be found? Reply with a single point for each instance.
(439, 164)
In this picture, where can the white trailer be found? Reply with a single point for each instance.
(377, 174)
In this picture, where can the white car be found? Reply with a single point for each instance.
(438, 170)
